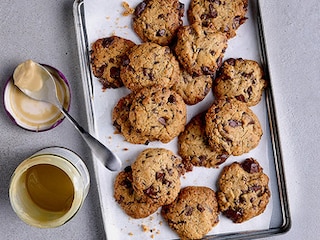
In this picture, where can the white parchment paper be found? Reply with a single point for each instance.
(104, 18)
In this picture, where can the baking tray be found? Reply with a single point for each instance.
(100, 18)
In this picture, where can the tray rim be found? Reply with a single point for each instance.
(86, 77)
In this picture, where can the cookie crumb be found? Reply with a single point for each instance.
(127, 9)
(145, 228)
(130, 234)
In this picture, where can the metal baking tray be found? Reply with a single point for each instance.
(97, 18)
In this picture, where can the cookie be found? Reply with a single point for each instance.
(242, 79)
(221, 15)
(194, 147)
(156, 174)
(120, 120)
(200, 50)
(193, 89)
(232, 126)
(135, 205)
(158, 20)
(158, 113)
(243, 190)
(194, 213)
(148, 64)
(106, 58)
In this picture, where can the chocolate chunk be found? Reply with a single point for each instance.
(140, 8)
(188, 211)
(234, 123)
(106, 42)
(250, 165)
(115, 73)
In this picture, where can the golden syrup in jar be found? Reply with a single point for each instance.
(49, 187)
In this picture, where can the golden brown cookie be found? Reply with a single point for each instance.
(200, 50)
(194, 212)
(158, 113)
(242, 79)
(156, 174)
(243, 190)
(193, 89)
(149, 64)
(232, 126)
(120, 120)
(221, 15)
(106, 58)
(194, 147)
(158, 20)
(135, 205)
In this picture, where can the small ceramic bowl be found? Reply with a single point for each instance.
(36, 115)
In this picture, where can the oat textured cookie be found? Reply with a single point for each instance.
(221, 15)
(193, 89)
(158, 113)
(194, 147)
(149, 64)
(106, 58)
(120, 120)
(200, 50)
(158, 20)
(194, 212)
(242, 79)
(243, 190)
(232, 126)
(156, 173)
(135, 205)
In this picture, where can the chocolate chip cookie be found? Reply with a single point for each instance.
(243, 190)
(149, 64)
(200, 50)
(133, 204)
(106, 58)
(158, 113)
(120, 120)
(194, 213)
(221, 15)
(242, 79)
(193, 89)
(156, 174)
(232, 126)
(194, 147)
(158, 20)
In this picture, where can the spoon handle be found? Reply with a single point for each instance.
(108, 158)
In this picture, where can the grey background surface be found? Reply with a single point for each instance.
(43, 30)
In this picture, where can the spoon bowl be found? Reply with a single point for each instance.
(48, 93)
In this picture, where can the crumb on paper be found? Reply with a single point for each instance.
(108, 17)
(130, 234)
(144, 228)
(127, 9)
(152, 236)
(125, 149)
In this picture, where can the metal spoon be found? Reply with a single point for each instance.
(48, 93)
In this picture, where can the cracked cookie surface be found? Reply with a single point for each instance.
(194, 212)
(158, 113)
(149, 64)
(242, 79)
(232, 126)
(156, 174)
(243, 190)
(221, 15)
(106, 59)
(135, 205)
(193, 89)
(194, 147)
(200, 50)
(158, 20)
(120, 120)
